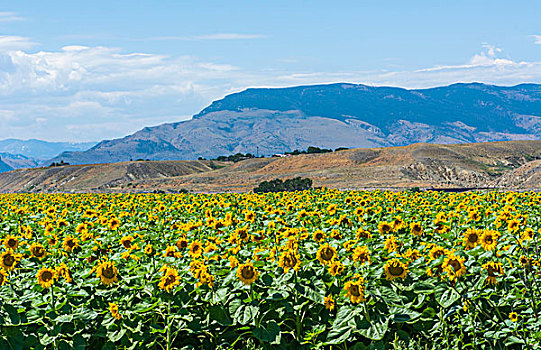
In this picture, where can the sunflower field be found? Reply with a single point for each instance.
(312, 269)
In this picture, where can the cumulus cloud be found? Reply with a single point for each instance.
(537, 39)
(85, 93)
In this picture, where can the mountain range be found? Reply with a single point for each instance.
(16, 154)
(275, 120)
(39, 149)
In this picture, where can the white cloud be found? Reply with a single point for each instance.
(11, 42)
(537, 39)
(10, 17)
(82, 93)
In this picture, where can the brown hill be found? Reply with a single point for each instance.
(512, 164)
(97, 177)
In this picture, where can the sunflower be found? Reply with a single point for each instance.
(113, 309)
(390, 244)
(169, 279)
(494, 270)
(9, 259)
(513, 225)
(81, 228)
(196, 249)
(70, 243)
(355, 290)
(362, 233)
(361, 254)
(249, 216)
(107, 272)
(114, 224)
(126, 241)
(247, 273)
(171, 252)
(326, 253)
(412, 254)
(11, 242)
(416, 229)
(525, 261)
(46, 277)
(454, 266)
(436, 251)
(290, 260)
(329, 303)
(336, 268)
(3, 277)
(37, 250)
(489, 239)
(149, 250)
(319, 236)
(385, 227)
(242, 234)
(63, 270)
(331, 209)
(471, 238)
(233, 262)
(62, 223)
(513, 316)
(182, 243)
(527, 234)
(394, 268)
(397, 223)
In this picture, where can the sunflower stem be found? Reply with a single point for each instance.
(168, 325)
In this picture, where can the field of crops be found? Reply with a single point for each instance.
(300, 270)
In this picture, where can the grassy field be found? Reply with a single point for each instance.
(317, 269)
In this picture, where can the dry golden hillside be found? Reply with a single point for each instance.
(510, 164)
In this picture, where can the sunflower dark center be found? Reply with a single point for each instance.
(472, 238)
(9, 260)
(38, 251)
(12, 242)
(327, 254)
(354, 290)
(70, 243)
(108, 272)
(492, 272)
(290, 261)
(438, 253)
(247, 272)
(455, 264)
(47, 276)
(396, 270)
(170, 280)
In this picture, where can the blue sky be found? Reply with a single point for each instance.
(84, 71)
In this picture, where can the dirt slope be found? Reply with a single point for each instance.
(512, 164)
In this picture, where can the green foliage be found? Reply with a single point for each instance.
(277, 185)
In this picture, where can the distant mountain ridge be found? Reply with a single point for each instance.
(17, 161)
(268, 121)
(39, 149)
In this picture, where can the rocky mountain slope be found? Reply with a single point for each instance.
(506, 165)
(268, 121)
(17, 161)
